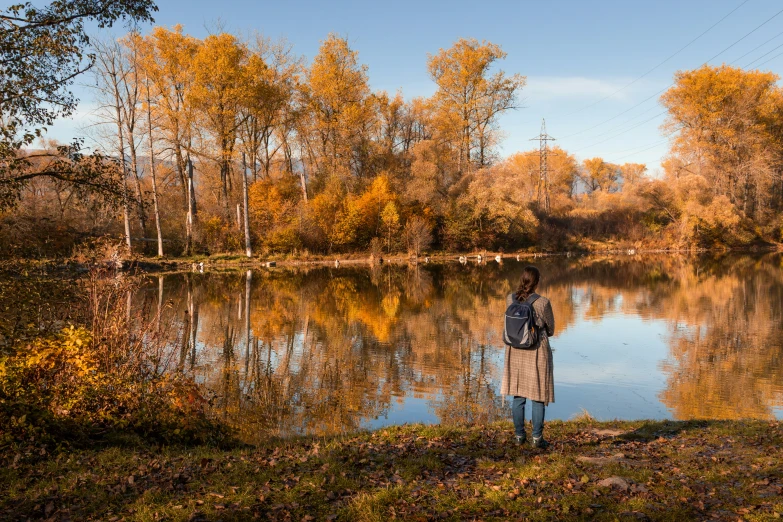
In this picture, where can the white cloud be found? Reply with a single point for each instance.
(77, 125)
(553, 87)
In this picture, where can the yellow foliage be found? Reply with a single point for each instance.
(727, 122)
(598, 175)
(336, 94)
(275, 212)
(66, 363)
(469, 98)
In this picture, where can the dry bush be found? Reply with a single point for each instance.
(105, 376)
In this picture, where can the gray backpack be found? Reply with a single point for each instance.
(519, 328)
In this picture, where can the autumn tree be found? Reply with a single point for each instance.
(166, 62)
(470, 99)
(268, 112)
(415, 124)
(530, 185)
(220, 87)
(152, 165)
(336, 98)
(111, 79)
(726, 123)
(430, 176)
(632, 173)
(418, 234)
(388, 133)
(597, 174)
(42, 51)
(276, 213)
(390, 219)
(499, 206)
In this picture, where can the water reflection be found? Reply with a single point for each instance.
(324, 350)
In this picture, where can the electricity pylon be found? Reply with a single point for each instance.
(543, 167)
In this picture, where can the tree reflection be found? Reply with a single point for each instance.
(322, 351)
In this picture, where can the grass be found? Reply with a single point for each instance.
(662, 471)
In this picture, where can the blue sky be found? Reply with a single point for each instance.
(574, 53)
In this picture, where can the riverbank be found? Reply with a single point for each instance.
(232, 261)
(639, 470)
(592, 248)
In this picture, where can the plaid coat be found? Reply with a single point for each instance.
(528, 373)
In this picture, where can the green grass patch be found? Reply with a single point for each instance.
(593, 471)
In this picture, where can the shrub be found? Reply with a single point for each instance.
(103, 376)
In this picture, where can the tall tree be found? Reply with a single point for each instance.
(597, 174)
(632, 173)
(110, 79)
(153, 172)
(337, 100)
(246, 209)
(166, 60)
(469, 99)
(130, 96)
(272, 75)
(42, 52)
(219, 90)
(727, 128)
(167, 63)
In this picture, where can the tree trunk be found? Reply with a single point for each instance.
(156, 209)
(121, 140)
(137, 185)
(302, 182)
(126, 216)
(191, 216)
(248, 246)
(224, 183)
(181, 172)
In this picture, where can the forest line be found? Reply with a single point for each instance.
(229, 144)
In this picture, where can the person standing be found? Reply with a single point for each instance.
(527, 373)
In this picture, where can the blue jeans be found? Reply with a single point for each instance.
(518, 414)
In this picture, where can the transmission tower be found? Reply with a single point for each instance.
(543, 168)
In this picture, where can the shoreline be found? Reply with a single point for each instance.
(139, 264)
(627, 470)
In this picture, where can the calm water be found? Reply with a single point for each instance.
(324, 350)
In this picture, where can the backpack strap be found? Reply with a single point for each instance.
(532, 299)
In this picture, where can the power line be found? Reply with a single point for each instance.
(762, 63)
(618, 115)
(643, 150)
(623, 132)
(758, 47)
(629, 120)
(657, 66)
(657, 144)
(763, 55)
(768, 20)
(671, 84)
(637, 147)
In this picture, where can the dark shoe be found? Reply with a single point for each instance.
(521, 439)
(540, 443)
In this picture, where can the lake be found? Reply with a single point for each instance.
(323, 350)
